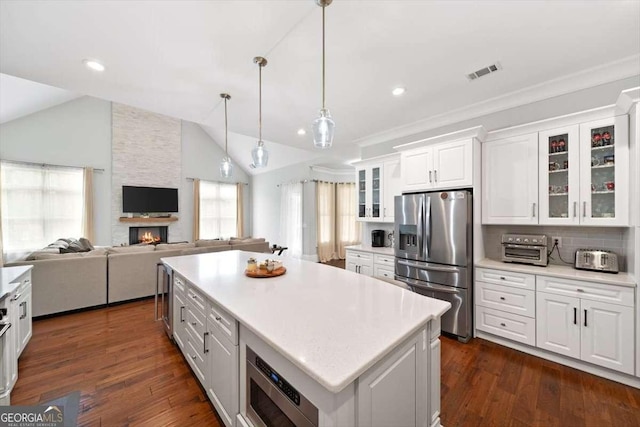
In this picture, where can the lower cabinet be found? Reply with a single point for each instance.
(179, 312)
(22, 315)
(223, 374)
(370, 263)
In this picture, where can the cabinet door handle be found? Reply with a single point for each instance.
(585, 317)
(503, 325)
(430, 176)
(193, 357)
(502, 278)
(204, 342)
(193, 323)
(575, 209)
(584, 209)
(502, 298)
(181, 313)
(575, 316)
(218, 318)
(25, 310)
(534, 209)
(435, 175)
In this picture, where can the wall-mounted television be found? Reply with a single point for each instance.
(149, 199)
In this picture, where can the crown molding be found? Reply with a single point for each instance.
(478, 132)
(602, 74)
(331, 171)
(626, 100)
(382, 158)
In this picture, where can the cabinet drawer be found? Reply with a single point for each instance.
(506, 278)
(507, 325)
(195, 324)
(388, 260)
(196, 360)
(224, 322)
(383, 271)
(179, 284)
(505, 298)
(362, 258)
(196, 299)
(592, 291)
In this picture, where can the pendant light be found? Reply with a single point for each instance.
(324, 126)
(226, 167)
(260, 154)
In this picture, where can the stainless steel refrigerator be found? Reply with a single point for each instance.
(434, 252)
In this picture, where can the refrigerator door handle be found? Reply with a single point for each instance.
(420, 228)
(428, 267)
(429, 286)
(428, 226)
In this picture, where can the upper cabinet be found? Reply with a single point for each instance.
(576, 174)
(378, 182)
(442, 162)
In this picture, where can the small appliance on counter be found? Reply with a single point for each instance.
(525, 249)
(377, 238)
(596, 260)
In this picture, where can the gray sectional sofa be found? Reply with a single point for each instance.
(66, 282)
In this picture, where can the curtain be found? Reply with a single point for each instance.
(291, 218)
(240, 209)
(196, 209)
(40, 204)
(347, 227)
(87, 212)
(1, 250)
(218, 209)
(326, 225)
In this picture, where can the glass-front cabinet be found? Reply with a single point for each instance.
(580, 181)
(604, 172)
(369, 193)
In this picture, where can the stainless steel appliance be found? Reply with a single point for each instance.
(272, 401)
(525, 249)
(434, 252)
(377, 238)
(597, 260)
(164, 297)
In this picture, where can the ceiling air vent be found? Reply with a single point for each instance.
(484, 71)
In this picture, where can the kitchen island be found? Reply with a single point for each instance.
(362, 351)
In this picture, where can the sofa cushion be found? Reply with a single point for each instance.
(86, 244)
(174, 246)
(247, 240)
(206, 242)
(45, 255)
(130, 249)
(33, 255)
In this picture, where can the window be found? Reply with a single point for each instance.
(218, 210)
(40, 204)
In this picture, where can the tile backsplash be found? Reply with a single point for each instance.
(573, 238)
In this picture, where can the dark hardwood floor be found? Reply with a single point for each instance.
(129, 374)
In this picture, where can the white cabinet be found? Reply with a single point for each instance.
(510, 180)
(359, 262)
(22, 311)
(392, 187)
(441, 166)
(179, 311)
(589, 321)
(378, 181)
(222, 354)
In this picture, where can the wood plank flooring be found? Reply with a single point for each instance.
(129, 374)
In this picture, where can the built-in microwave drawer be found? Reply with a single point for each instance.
(506, 298)
(506, 278)
(507, 325)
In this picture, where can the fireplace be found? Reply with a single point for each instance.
(151, 235)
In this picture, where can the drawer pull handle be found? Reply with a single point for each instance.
(502, 278)
(218, 318)
(193, 323)
(204, 342)
(193, 357)
(580, 290)
(502, 324)
(502, 298)
(181, 313)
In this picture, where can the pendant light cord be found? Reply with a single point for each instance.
(260, 101)
(225, 128)
(323, 60)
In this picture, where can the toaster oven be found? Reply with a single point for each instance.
(525, 249)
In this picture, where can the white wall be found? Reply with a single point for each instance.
(76, 133)
(201, 158)
(266, 203)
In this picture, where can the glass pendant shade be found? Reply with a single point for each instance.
(323, 130)
(226, 168)
(260, 155)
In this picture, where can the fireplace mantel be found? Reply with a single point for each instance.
(150, 220)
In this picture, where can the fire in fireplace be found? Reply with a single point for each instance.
(150, 235)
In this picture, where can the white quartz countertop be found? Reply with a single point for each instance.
(364, 248)
(8, 277)
(331, 323)
(561, 271)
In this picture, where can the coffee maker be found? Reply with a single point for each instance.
(377, 238)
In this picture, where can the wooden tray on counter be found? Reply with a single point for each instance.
(260, 273)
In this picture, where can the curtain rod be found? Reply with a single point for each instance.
(49, 164)
(304, 181)
(221, 182)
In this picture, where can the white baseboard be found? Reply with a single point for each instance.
(567, 361)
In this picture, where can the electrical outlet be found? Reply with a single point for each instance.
(558, 239)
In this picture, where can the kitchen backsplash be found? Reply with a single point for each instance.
(573, 238)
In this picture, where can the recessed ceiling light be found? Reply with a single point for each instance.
(302, 132)
(398, 91)
(93, 64)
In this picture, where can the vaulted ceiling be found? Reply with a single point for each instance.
(175, 57)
